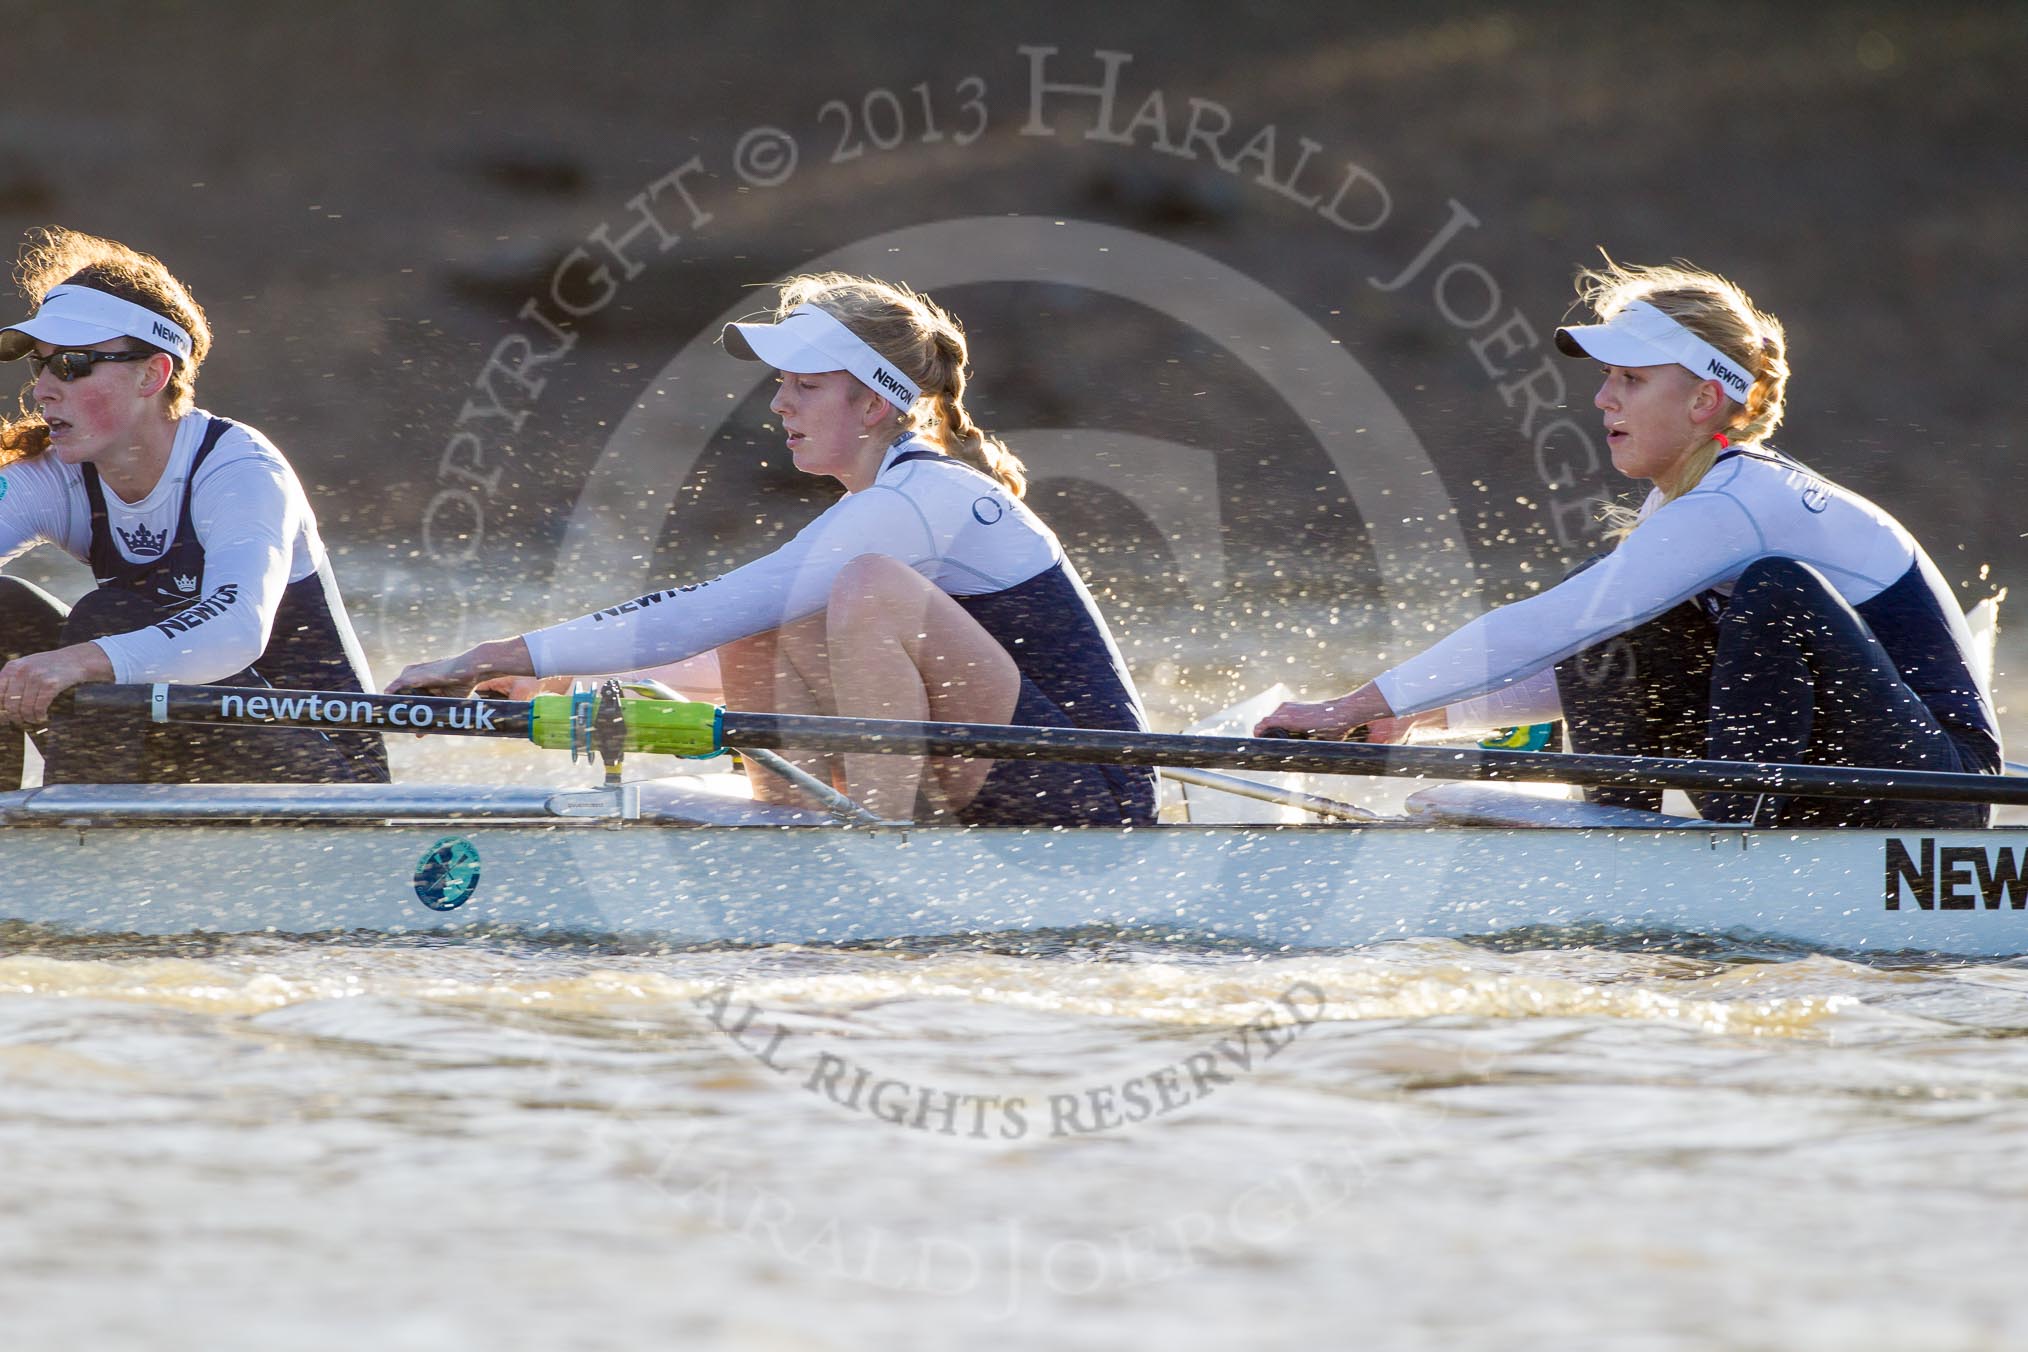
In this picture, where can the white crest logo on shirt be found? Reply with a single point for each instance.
(184, 583)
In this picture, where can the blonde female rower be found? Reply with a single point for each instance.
(929, 591)
(1752, 609)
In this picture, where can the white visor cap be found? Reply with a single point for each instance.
(82, 316)
(810, 341)
(1642, 335)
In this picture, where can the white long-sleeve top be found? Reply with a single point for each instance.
(1755, 503)
(250, 513)
(961, 531)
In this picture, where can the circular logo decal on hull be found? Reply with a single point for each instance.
(448, 874)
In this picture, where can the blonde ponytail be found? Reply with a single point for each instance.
(954, 429)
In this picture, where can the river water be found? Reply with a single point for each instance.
(1080, 1141)
(1072, 1143)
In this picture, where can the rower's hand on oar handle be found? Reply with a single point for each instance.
(445, 676)
(522, 687)
(1399, 731)
(460, 675)
(1333, 720)
(1304, 722)
(30, 684)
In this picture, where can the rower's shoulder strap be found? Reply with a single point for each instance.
(99, 552)
(214, 432)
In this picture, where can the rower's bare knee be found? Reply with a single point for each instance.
(881, 608)
(881, 601)
(745, 654)
(875, 593)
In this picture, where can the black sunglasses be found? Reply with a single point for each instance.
(70, 366)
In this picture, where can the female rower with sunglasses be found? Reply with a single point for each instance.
(1751, 610)
(929, 591)
(208, 561)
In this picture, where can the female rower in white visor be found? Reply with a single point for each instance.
(1751, 610)
(929, 591)
(206, 553)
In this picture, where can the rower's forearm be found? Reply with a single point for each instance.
(91, 662)
(1362, 706)
(501, 657)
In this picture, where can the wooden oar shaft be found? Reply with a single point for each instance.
(812, 733)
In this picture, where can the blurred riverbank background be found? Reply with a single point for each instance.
(424, 239)
(1263, 292)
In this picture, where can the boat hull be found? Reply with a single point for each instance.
(749, 878)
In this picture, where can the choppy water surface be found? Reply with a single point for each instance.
(1061, 1143)
(1067, 1143)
